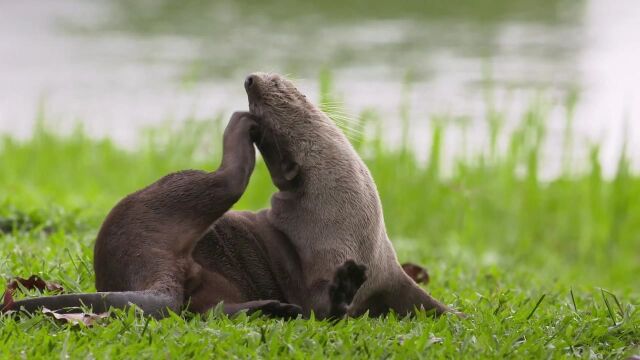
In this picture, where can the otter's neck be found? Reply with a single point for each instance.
(336, 189)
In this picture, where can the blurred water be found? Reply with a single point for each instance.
(120, 65)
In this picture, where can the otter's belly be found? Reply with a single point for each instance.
(232, 250)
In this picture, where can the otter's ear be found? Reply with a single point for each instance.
(290, 170)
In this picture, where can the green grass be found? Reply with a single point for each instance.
(543, 268)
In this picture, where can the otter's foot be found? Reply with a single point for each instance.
(417, 273)
(270, 308)
(349, 278)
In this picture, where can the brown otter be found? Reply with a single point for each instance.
(328, 205)
(175, 245)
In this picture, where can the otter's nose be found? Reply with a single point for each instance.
(249, 81)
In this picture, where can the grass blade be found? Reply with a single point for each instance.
(536, 307)
(606, 302)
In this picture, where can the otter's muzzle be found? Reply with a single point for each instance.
(249, 82)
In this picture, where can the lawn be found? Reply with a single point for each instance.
(543, 268)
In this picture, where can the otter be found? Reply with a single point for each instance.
(174, 246)
(321, 248)
(327, 205)
(146, 250)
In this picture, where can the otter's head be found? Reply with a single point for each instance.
(296, 135)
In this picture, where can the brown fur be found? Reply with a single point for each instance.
(328, 204)
(175, 245)
(322, 247)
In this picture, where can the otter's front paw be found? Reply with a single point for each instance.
(348, 279)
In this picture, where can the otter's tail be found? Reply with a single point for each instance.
(409, 297)
(152, 303)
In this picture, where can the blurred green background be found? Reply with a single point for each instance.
(119, 66)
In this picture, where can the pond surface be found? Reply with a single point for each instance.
(118, 66)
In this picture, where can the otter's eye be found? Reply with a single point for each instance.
(278, 85)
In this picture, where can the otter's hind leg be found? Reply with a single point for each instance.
(152, 233)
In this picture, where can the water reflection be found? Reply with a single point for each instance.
(122, 64)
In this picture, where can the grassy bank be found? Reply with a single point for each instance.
(543, 268)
